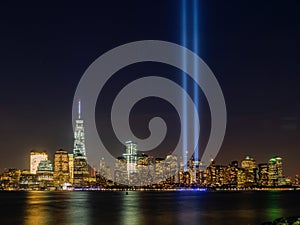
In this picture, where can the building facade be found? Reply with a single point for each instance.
(71, 167)
(131, 156)
(248, 164)
(61, 168)
(275, 173)
(45, 175)
(35, 158)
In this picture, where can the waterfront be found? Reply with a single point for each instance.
(142, 208)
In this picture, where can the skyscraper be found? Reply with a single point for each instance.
(275, 171)
(35, 158)
(71, 167)
(45, 174)
(232, 173)
(131, 156)
(81, 172)
(61, 167)
(249, 166)
(263, 174)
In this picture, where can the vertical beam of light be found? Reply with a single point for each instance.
(195, 86)
(184, 83)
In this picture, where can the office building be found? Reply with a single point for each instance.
(71, 167)
(45, 175)
(275, 173)
(61, 168)
(35, 158)
(131, 156)
(248, 164)
(263, 176)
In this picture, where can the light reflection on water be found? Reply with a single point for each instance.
(143, 208)
(36, 211)
(130, 209)
(56, 208)
(79, 209)
(273, 208)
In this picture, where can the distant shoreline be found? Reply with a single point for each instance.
(160, 190)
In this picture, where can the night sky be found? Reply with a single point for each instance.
(251, 46)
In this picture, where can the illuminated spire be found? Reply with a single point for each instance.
(79, 109)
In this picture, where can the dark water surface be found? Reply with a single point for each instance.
(141, 208)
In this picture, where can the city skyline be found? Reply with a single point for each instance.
(134, 169)
(79, 152)
(253, 57)
(80, 155)
(129, 151)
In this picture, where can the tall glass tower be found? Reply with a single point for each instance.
(81, 171)
(79, 143)
(131, 156)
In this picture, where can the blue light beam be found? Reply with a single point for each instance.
(184, 83)
(195, 87)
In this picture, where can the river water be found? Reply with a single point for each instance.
(143, 208)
